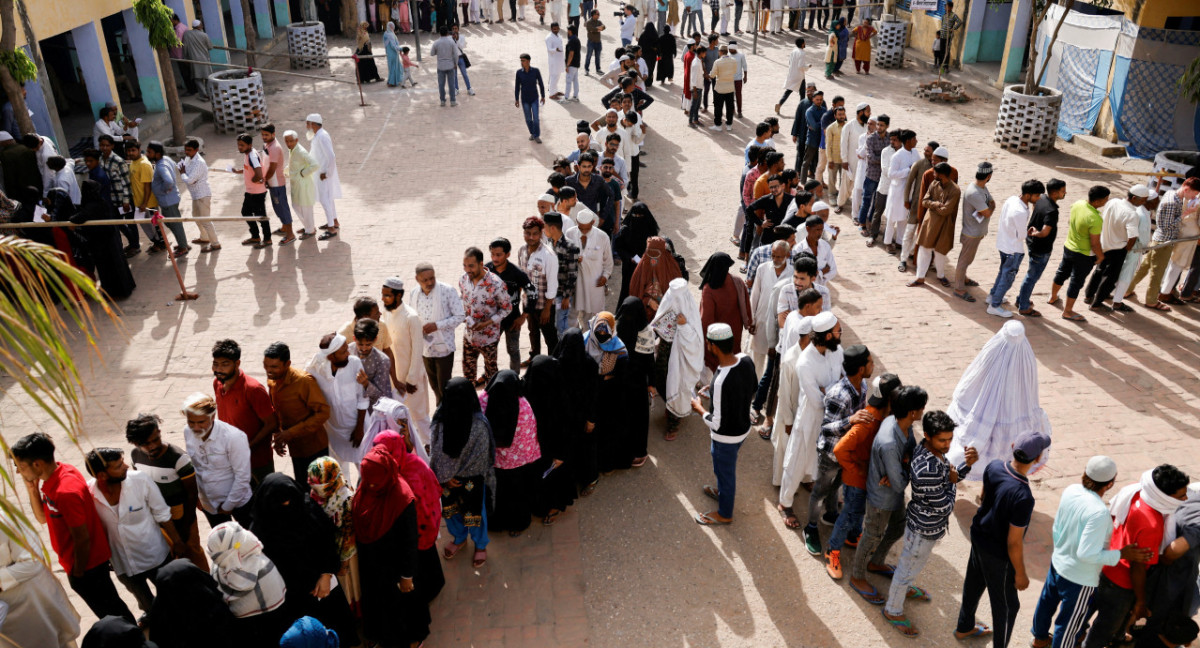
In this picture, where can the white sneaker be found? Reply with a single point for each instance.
(715, 127)
(728, 127)
(998, 312)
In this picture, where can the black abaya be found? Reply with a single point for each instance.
(581, 376)
(648, 41)
(392, 617)
(631, 319)
(666, 55)
(544, 389)
(103, 243)
(368, 72)
(188, 610)
(611, 435)
(630, 241)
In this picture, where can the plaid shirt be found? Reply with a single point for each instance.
(537, 266)
(875, 145)
(118, 175)
(841, 401)
(1170, 214)
(568, 268)
(950, 23)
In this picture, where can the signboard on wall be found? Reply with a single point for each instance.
(924, 5)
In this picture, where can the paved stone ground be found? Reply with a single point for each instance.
(628, 566)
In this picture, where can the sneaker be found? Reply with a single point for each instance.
(453, 104)
(998, 312)
(812, 540)
(833, 564)
(715, 127)
(537, 140)
(443, 104)
(728, 127)
(470, 92)
(853, 542)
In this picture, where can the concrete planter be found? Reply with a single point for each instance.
(1174, 162)
(889, 43)
(1028, 123)
(238, 101)
(307, 45)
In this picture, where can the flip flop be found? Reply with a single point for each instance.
(917, 594)
(764, 433)
(944, 281)
(1075, 317)
(710, 491)
(1029, 313)
(704, 520)
(449, 553)
(1159, 306)
(967, 297)
(971, 283)
(1120, 307)
(888, 571)
(479, 558)
(871, 596)
(903, 626)
(980, 630)
(1054, 302)
(915, 283)
(787, 513)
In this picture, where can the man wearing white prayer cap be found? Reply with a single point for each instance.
(728, 418)
(545, 203)
(329, 187)
(595, 266)
(816, 369)
(408, 350)
(196, 47)
(336, 371)
(1133, 258)
(302, 178)
(1118, 235)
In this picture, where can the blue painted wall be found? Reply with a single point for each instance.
(144, 60)
(92, 63)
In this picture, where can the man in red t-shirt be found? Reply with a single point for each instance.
(76, 533)
(245, 404)
(1139, 518)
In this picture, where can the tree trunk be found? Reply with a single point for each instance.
(172, 96)
(1031, 81)
(251, 34)
(43, 78)
(8, 43)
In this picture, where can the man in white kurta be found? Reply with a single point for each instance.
(860, 169)
(408, 349)
(762, 309)
(789, 347)
(817, 369)
(895, 212)
(329, 188)
(795, 76)
(338, 375)
(595, 265)
(556, 61)
(852, 131)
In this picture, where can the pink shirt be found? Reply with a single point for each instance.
(177, 52)
(252, 162)
(524, 449)
(274, 156)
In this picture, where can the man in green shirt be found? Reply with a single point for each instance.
(1082, 250)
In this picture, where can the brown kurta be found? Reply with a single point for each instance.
(302, 411)
(941, 210)
(912, 187)
(927, 179)
(729, 304)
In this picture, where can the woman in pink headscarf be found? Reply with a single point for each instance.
(428, 492)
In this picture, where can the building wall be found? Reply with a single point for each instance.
(1154, 13)
(54, 17)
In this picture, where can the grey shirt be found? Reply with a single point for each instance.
(975, 198)
(446, 52)
(890, 455)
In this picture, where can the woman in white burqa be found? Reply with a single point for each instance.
(997, 399)
(677, 322)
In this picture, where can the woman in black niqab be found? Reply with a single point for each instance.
(667, 50)
(631, 320)
(637, 227)
(188, 610)
(581, 377)
(544, 389)
(648, 41)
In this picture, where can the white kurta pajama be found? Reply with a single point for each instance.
(596, 262)
(762, 309)
(687, 345)
(556, 62)
(796, 68)
(408, 347)
(301, 179)
(38, 612)
(895, 212)
(346, 398)
(814, 372)
(852, 131)
(860, 174)
(330, 188)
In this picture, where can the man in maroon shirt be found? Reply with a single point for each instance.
(76, 534)
(245, 404)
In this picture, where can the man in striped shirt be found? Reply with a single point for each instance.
(934, 484)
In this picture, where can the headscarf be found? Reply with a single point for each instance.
(715, 270)
(1154, 498)
(421, 481)
(241, 569)
(391, 414)
(188, 610)
(115, 632)
(571, 351)
(652, 269)
(307, 632)
(648, 41)
(636, 228)
(382, 496)
(544, 390)
(391, 26)
(603, 322)
(503, 406)
(297, 535)
(328, 489)
(631, 319)
(456, 415)
(362, 37)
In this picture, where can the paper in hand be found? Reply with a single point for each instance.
(39, 214)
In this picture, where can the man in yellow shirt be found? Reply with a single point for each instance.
(141, 174)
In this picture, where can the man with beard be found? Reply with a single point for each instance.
(609, 222)
(408, 349)
(135, 519)
(589, 189)
(515, 281)
(245, 404)
(852, 132)
(818, 368)
(340, 375)
(173, 474)
(221, 456)
(301, 408)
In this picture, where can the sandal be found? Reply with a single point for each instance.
(1173, 300)
(327, 235)
(451, 550)
(711, 492)
(944, 281)
(888, 571)
(639, 462)
(967, 297)
(917, 594)
(288, 241)
(1121, 307)
(903, 626)
(1054, 302)
(589, 489)
(1029, 313)
(871, 596)
(671, 435)
(705, 519)
(980, 630)
(764, 433)
(515, 534)
(252, 241)
(915, 283)
(479, 559)
(1074, 317)
(789, 517)
(265, 244)
(1159, 306)
(551, 518)
(306, 235)
(971, 283)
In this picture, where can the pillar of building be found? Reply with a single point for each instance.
(145, 61)
(92, 51)
(970, 51)
(283, 13)
(182, 8)
(262, 18)
(1017, 42)
(214, 26)
(239, 24)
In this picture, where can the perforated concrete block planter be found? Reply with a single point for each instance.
(238, 101)
(889, 44)
(307, 45)
(1028, 123)
(1175, 162)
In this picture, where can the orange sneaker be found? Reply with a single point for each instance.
(833, 564)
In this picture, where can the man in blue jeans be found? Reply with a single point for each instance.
(1011, 230)
(528, 93)
(1043, 229)
(446, 53)
(728, 422)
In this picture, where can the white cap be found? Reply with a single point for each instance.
(805, 326)
(733, 45)
(719, 331)
(820, 205)
(314, 118)
(585, 217)
(860, 106)
(547, 198)
(1153, 195)
(623, 58)
(824, 322)
(942, 152)
(1141, 191)
(5, 136)
(196, 24)
(335, 345)
(872, 120)
(1193, 491)
(1101, 469)
(395, 283)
